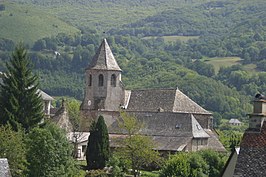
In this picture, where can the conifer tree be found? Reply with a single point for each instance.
(20, 103)
(98, 151)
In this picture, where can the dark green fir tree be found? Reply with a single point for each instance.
(98, 150)
(20, 103)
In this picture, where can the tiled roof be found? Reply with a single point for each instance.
(104, 59)
(163, 100)
(255, 139)
(251, 159)
(4, 168)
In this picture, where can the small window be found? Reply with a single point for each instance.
(90, 80)
(83, 147)
(100, 80)
(113, 80)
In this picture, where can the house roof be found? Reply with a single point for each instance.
(4, 168)
(251, 159)
(163, 100)
(213, 141)
(254, 140)
(104, 59)
(45, 96)
(234, 121)
(197, 130)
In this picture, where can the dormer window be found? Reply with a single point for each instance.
(113, 80)
(100, 80)
(90, 80)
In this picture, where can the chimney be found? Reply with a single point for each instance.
(256, 119)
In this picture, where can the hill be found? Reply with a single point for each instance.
(105, 14)
(27, 23)
(160, 44)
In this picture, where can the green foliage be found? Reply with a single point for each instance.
(117, 166)
(12, 147)
(177, 166)
(73, 107)
(206, 163)
(20, 103)
(96, 173)
(230, 139)
(131, 152)
(215, 162)
(49, 153)
(98, 151)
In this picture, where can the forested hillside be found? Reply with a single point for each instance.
(158, 44)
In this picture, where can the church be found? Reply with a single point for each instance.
(171, 119)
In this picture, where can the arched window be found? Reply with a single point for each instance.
(113, 80)
(100, 80)
(90, 80)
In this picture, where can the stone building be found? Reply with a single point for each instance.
(172, 119)
(4, 168)
(251, 159)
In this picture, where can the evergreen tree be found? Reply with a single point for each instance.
(20, 104)
(98, 151)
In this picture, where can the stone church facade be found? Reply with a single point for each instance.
(172, 120)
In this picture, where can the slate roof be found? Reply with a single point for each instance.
(165, 100)
(4, 168)
(170, 131)
(45, 96)
(197, 130)
(213, 141)
(104, 59)
(252, 157)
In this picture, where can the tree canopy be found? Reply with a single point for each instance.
(136, 149)
(98, 150)
(20, 102)
(49, 153)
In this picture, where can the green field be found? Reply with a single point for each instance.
(27, 23)
(222, 62)
(173, 38)
(228, 61)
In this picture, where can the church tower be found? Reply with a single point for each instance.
(104, 89)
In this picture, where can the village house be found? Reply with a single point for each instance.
(172, 119)
(234, 122)
(249, 159)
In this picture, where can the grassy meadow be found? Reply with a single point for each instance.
(218, 62)
(28, 23)
(173, 38)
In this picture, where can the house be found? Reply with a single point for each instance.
(251, 159)
(4, 168)
(80, 141)
(172, 119)
(234, 122)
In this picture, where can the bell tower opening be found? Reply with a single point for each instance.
(100, 83)
(113, 80)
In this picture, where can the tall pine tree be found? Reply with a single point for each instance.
(98, 150)
(20, 103)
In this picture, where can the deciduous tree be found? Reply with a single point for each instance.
(136, 148)
(49, 153)
(13, 148)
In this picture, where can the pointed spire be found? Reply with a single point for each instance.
(104, 59)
